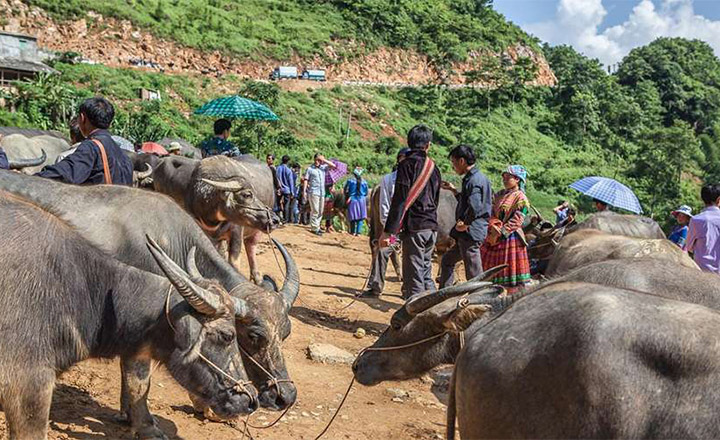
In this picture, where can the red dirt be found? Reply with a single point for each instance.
(332, 269)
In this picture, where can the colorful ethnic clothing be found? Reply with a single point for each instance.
(509, 210)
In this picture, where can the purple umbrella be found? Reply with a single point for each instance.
(334, 174)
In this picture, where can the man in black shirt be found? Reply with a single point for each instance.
(85, 165)
(419, 224)
(472, 214)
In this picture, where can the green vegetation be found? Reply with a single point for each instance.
(445, 30)
(655, 125)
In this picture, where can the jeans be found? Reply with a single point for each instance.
(417, 251)
(466, 250)
(285, 202)
(356, 226)
(294, 211)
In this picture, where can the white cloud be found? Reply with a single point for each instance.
(577, 23)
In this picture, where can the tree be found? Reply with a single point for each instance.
(686, 75)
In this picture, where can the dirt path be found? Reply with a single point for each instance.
(332, 269)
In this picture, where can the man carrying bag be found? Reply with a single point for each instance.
(413, 212)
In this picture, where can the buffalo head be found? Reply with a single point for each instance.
(203, 353)
(234, 192)
(424, 317)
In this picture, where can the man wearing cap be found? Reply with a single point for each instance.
(174, 148)
(683, 215)
(381, 255)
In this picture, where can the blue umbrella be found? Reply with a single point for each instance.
(609, 191)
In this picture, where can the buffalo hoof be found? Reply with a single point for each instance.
(121, 418)
(150, 433)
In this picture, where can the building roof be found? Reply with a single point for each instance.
(15, 34)
(24, 66)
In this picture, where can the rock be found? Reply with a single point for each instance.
(329, 354)
(398, 393)
(359, 333)
(398, 400)
(305, 414)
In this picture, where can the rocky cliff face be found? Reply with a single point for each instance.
(118, 43)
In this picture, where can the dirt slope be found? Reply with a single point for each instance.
(114, 42)
(332, 269)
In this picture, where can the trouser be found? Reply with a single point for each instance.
(356, 226)
(286, 204)
(417, 250)
(378, 267)
(317, 203)
(294, 211)
(466, 250)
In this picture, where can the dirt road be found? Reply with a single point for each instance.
(332, 270)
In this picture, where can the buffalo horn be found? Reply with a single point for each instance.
(23, 163)
(145, 174)
(421, 303)
(229, 185)
(191, 266)
(291, 287)
(200, 299)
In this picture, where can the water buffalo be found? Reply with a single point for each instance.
(587, 246)
(18, 147)
(643, 274)
(231, 199)
(576, 360)
(64, 300)
(618, 224)
(143, 167)
(116, 219)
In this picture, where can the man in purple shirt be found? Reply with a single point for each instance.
(703, 239)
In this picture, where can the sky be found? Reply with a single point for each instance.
(609, 29)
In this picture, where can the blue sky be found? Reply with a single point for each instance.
(609, 29)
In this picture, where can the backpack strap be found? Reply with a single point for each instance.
(106, 165)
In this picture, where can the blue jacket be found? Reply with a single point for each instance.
(286, 178)
(356, 189)
(85, 164)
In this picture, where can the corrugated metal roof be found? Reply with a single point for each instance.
(25, 66)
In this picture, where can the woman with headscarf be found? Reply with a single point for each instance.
(505, 242)
(356, 191)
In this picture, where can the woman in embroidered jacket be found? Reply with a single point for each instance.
(505, 243)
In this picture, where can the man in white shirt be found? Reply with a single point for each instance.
(376, 282)
(314, 190)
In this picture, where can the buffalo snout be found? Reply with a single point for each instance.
(278, 397)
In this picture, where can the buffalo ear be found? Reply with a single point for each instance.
(456, 314)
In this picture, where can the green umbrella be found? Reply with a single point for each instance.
(237, 107)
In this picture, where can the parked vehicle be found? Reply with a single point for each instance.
(314, 74)
(284, 72)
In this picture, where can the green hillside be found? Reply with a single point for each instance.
(445, 30)
(654, 125)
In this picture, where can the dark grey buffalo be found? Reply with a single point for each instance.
(231, 199)
(587, 246)
(20, 144)
(437, 316)
(619, 224)
(116, 219)
(64, 300)
(576, 360)
(143, 166)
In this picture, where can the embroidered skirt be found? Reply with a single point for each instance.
(510, 251)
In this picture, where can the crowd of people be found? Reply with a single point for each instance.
(488, 228)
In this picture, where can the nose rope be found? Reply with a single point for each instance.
(240, 386)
